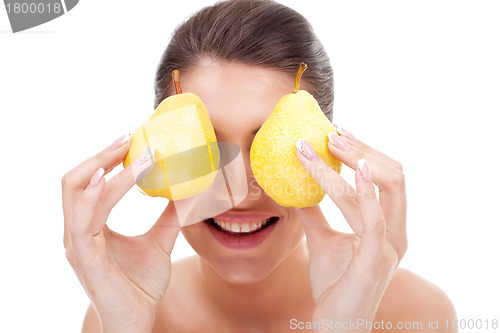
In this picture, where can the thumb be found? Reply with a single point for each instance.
(315, 224)
(164, 232)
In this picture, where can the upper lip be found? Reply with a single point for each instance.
(242, 217)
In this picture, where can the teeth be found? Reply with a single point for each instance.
(245, 227)
(241, 227)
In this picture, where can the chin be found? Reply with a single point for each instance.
(245, 247)
(244, 270)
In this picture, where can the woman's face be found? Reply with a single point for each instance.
(239, 98)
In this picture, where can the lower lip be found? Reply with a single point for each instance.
(240, 242)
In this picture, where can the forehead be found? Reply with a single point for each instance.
(234, 91)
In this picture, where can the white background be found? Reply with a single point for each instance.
(419, 81)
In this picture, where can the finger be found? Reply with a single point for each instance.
(373, 236)
(315, 224)
(120, 184)
(78, 229)
(381, 156)
(394, 207)
(75, 181)
(381, 172)
(390, 181)
(164, 232)
(342, 194)
(350, 138)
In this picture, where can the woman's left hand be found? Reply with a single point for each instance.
(349, 273)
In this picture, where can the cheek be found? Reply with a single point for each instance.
(197, 236)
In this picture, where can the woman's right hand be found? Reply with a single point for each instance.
(125, 277)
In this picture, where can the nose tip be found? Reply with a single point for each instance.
(242, 186)
(255, 192)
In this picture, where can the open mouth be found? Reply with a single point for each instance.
(241, 235)
(242, 229)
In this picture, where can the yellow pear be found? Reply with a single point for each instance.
(272, 155)
(186, 152)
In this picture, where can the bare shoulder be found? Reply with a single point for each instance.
(411, 299)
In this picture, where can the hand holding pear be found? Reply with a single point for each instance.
(186, 151)
(272, 155)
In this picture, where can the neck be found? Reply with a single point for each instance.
(284, 294)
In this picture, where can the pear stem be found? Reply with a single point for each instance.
(302, 68)
(177, 82)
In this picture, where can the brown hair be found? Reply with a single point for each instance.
(254, 32)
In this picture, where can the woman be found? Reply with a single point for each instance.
(240, 57)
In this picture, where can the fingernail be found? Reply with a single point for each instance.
(345, 133)
(143, 164)
(337, 141)
(119, 142)
(306, 150)
(364, 170)
(96, 178)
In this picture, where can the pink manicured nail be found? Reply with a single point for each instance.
(119, 142)
(345, 133)
(96, 178)
(338, 142)
(143, 164)
(364, 170)
(306, 150)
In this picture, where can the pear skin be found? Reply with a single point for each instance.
(272, 155)
(186, 151)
